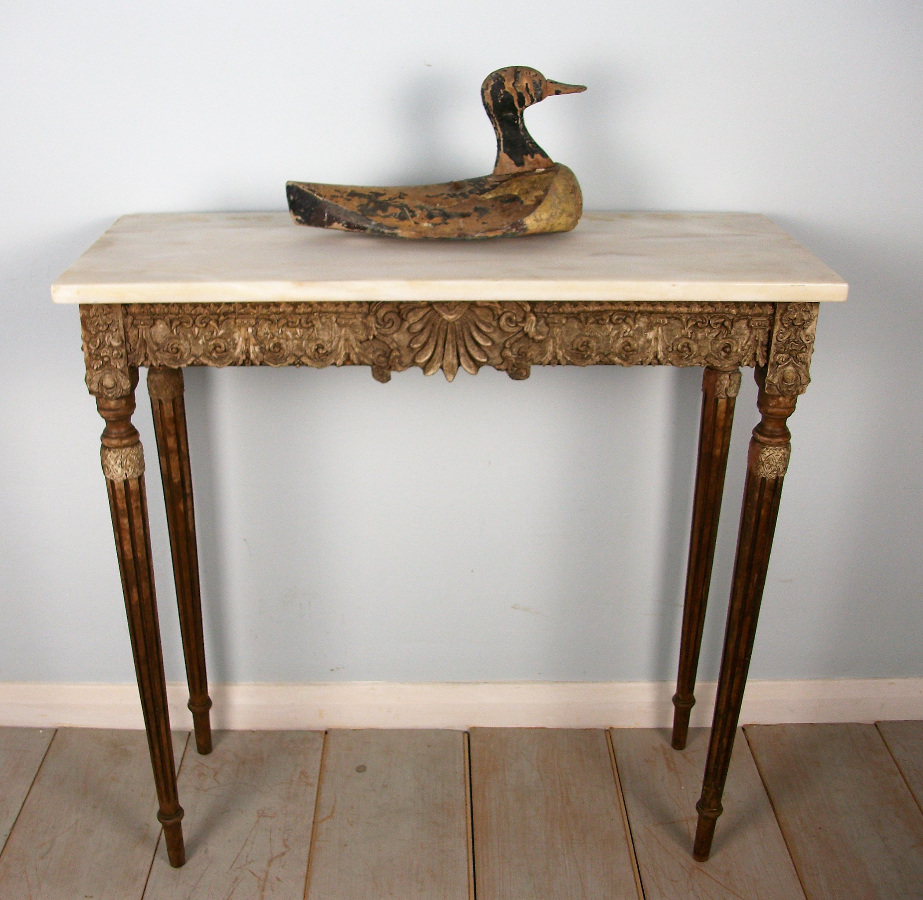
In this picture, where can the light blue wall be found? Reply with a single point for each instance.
(485, 529)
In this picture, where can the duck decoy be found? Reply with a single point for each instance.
(527, 193)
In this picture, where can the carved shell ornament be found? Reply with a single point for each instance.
(449, 335)
(526, 193)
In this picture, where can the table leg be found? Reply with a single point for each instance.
(719, 391)
(770, 448)
(165, 387)
(123, 466)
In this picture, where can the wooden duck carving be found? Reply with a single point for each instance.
(527, 193)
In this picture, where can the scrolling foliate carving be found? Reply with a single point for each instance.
(394, 336)
(792, 343)
(260, 334)
(632, 334)
(105, 351)
(178, 335)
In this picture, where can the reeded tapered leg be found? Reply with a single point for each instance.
(770, 448)
(123, 466)
(165, 387)
(719, 391)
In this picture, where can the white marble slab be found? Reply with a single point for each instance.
(240, 257)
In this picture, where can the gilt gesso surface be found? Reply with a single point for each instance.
(393, 337)
(527, 193)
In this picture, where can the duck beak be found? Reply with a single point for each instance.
(553, 88)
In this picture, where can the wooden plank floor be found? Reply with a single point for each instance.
(811, 811)
(547, 817)
(247, 830)
(838, 794)
(905, 741)
(88, 827)
(21, 753)
(392, 817)
(661, 786)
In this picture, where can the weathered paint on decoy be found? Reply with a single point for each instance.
(527, 193)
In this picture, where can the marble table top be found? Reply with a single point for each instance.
(242, 257)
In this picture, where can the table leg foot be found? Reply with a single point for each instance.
(682, 707)
(719, 390)
(123, 465)
(201, 726)
(770, 448)
(173, 838)
(705, 830)
(165, 386)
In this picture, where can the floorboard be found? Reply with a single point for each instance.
(547, 819)
(905, 741)
(661, 785)
(249, 809)
(392, 817)
(851, 824)
(88, 828)
(21, 753)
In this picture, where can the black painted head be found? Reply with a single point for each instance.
(506, 94)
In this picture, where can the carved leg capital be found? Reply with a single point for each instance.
(721, 385)
(165, 384)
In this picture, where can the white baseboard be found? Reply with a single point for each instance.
(524, 704)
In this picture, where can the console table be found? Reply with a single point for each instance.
(714, 290)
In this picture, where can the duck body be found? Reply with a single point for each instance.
(529, 202)
(527, 193)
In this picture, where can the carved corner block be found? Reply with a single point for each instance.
(105, 351)
(790, 349)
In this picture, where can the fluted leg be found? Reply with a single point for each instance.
(767, 462)
(123, 466)
(719, 391)
(165, 387)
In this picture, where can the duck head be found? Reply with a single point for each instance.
(506, 94)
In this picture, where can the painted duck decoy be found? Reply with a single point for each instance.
(527, 193)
